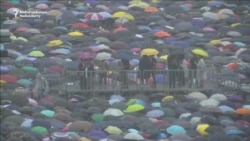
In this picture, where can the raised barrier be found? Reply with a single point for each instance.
(119, 81)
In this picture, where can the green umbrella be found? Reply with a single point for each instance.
(30, 69)
(48, 113)
(40, 130)
(97, 117)
(24, 82)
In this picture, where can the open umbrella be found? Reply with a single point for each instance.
(103, 56)
(149, 51)
(200, 52)
(122, 14)
(154, 113)
(113, 112)
(86, 56)
(134, 108)
(94, 16)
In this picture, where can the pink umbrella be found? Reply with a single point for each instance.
(86, 56)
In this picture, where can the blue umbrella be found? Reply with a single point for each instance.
(154, 113)
(105, 15)
(25, 82)
(176, 130)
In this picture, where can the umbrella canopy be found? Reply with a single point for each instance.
(200, 52)
(122, 14)
(113, 112)
(86, 56)
(154, 113)
(36, 53)
(176, 130)
(134, 108)
(149, 51)
(103, 56)
(113, 130)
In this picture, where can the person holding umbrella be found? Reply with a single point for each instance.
(125, 66)
(86, 68)
(201, 67)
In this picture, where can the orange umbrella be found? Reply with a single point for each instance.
(243, 111)
(120, 28)
(151, 9)
(162, 34)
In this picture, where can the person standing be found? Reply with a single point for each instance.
(153, 68)
(201, 71)
(193, 71)
(182, 70)
(41, 88)
(103, 67)
(144, 67)
(86, 68)
(125, 66)
(172, 67)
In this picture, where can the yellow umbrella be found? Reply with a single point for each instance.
(235, 24)
(200, 52)
(139, 4)
(215, 42)
(54, 43)
(36, 53)
(201, 129)
(167, 98)
(2, 83)
(149, 51)
(113, 130)
(75, 34)
(122, 14)
(134, 108)
(163, 57)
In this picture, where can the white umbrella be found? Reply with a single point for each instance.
(103, 56)
(226, 11)
(211, 15)
(219, 97)
(209, 102)
(196, 96)
(133, 136)
(113, 112)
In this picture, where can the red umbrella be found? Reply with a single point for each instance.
(9, 78)
(120, 28)
(55, 69)
(93, 16)
(22, 29)
(80, 25)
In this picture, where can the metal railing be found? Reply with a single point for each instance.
(131, 80)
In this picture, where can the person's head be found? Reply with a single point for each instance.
(38, 75)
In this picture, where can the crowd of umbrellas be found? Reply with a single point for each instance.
(69, 30)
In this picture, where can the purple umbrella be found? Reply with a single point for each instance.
(154, 113)
(86, 56)
(97, 133)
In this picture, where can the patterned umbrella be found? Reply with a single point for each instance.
(94, 16)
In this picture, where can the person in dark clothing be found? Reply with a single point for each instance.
(172, 67)
(153, 67)
(125, 66)
(180, 71)
(193, 70)
(144, 67)
(86, 68)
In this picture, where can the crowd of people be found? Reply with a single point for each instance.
(179, 71)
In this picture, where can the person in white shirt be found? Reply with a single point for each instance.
(201, 71)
